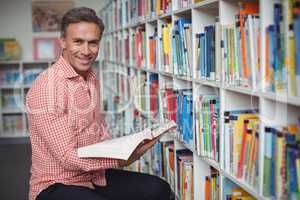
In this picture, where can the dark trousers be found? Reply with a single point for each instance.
(121, 185)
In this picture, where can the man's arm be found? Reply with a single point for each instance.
(138, 152)
(62, 143)
(48, 118)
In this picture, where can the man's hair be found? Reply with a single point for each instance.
(80, 14)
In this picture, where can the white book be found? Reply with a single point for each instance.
(123, 147)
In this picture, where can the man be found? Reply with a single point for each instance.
(64, 114)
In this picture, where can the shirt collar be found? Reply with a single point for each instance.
(69, 71)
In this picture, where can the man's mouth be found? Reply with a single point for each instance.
(84, 60)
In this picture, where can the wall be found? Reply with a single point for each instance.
(15, 21)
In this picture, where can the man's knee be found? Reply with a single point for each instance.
(159, 188)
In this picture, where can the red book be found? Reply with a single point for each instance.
(154, 96)
(171, 103)
(243, 151)
(139, 51)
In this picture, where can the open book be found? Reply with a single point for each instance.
(123, 147)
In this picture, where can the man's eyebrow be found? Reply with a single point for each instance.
(94, 40)
(81, 39)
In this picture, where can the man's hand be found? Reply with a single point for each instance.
(138, 152)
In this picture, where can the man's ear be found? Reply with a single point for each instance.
(62, 41)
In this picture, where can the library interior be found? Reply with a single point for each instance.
(225, 72)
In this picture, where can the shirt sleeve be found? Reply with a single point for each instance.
(54, 131)
(62, 141)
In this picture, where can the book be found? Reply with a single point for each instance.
(123, 147)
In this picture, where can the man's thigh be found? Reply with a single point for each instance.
(60, 191)
(130, 185)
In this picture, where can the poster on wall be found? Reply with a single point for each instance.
(46, 48)
(47, 14)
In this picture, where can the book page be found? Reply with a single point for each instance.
(122, 147)
(118, 148)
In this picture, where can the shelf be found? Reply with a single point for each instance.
(26, 86)
(207, 4)
(210, 162)
(184, 10)
(281, 98)
(216, 84)
(183, 78)
(10, 62)
(11, 111)
(152, 20)
(242, 90)
(166, 138)
(15, 140)
(184, 144)
(243, 185)
(277, 109)
(166, 74)
(17, 86)
(153, 71)
(165, 15)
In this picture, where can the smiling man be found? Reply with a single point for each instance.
(64, 115)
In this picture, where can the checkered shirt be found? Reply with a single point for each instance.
(64, 114)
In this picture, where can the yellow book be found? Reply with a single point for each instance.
(240, 194)
(290, 49)
(158, 7)
(298, 174)
(166, 45)
(238, 135)
(250, 138)
(291, 68)
(278, 165)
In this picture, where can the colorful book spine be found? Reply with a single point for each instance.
(212, 183)
(282, 48)
(184, 117)
(169, 104)
(241, 149)
(182, 47)
(241, 49)
(206, 56)
(185, 176)
(207, 126)
(281, 162)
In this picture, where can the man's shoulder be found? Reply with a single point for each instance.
(52, 75)
(47, 85)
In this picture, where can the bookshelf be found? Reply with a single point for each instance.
(238, 84)
(16, 78)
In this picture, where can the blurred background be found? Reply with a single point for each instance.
(28, 44)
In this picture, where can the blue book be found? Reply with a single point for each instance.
(209, 32)
(186, 108)
(271, 53)
(297, 51)
(278, 49)
(203, 55)
(179, 111)
(189, 116)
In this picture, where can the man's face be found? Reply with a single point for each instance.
(81, 45)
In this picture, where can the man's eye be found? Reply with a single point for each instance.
(94, 44)
(78, 42)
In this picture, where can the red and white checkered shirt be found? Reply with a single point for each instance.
(63, 115)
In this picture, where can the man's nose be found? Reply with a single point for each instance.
(85, 49)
